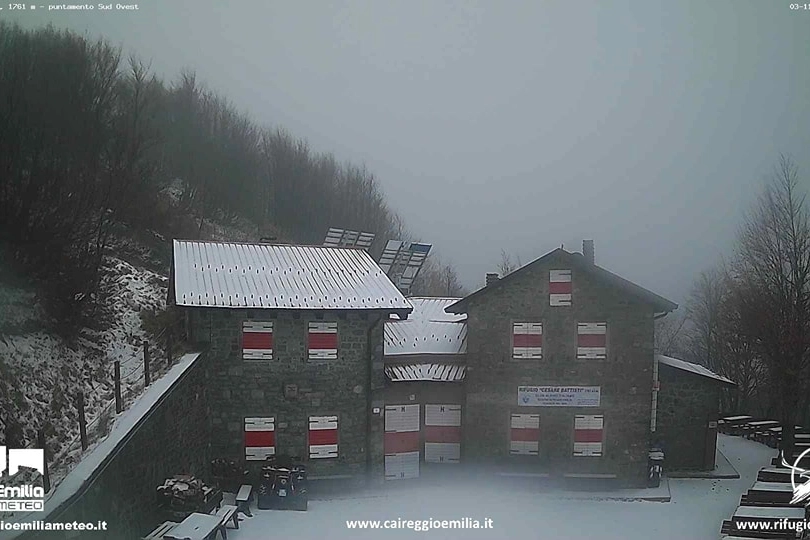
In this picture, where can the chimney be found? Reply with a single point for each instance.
(587, 251)
(492, 277)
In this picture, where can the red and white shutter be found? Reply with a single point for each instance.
(442, 433)
(323, 341)
(524, 435)
(402, 439)
(592, 340)
(559, 287)
(260, 438)
(323, 437)
(588, 435)
(527, 340)
(257, 340)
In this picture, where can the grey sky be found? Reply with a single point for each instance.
(645, 125)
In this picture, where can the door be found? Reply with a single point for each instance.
(442, 433)
(402, 440)
(711, 445)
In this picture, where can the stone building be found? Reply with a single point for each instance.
(295, 338)
(559, 370)
(687, 412)
(424, 393)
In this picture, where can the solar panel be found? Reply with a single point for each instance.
(344, 238)
(401, 261)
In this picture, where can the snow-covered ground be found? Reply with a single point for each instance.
(697, 508)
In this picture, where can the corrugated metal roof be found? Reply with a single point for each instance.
(425, 372)
(683, 365)
(238, 275)
(428, 330)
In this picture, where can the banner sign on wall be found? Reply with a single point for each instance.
(559, 396)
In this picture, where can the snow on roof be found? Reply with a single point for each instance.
(270, 276)
(683, 365)
(80, 477)
(428, 330)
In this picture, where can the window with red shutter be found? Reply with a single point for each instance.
(592, 340)
(257, 340)
(527, 340)
(322, 341)
(588, 435)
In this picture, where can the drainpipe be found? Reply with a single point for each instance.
(369, 397)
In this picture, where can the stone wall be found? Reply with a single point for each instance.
(686, 403)
(173, 438)
(625, 377)
(245, 388)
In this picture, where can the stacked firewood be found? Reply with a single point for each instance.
(182, 492)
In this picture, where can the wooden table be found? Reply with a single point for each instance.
(196, 527)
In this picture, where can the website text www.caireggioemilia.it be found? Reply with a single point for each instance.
(54, 526)
(421, 524)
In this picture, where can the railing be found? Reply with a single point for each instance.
(136, 374)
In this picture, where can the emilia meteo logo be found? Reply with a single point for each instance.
(24, 497)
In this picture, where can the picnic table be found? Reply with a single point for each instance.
(730, 423)
(777, 474)
(758, 429)
(196, 527)
(770, 492)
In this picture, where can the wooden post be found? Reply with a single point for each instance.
(82, 420)
(168, 347)
(146, 378)
(46, 477)
(118, 402)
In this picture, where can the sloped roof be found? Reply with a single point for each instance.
(575, 261)
(284, 277)
(429, 329)
(689, 367)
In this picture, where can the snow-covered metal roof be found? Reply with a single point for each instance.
(425, 372)
(271, 276)
(697, 369)
(428, 330)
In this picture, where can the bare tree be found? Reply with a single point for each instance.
(773, 269)
(508, 263)
(670, 335)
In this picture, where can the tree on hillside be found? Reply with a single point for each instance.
(773, 273)
(713, 338)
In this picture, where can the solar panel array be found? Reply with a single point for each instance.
(345, 238)
(401, 261)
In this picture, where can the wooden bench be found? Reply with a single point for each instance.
(161, 530)
(196, 527)
(243, 499)
(227, 513)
